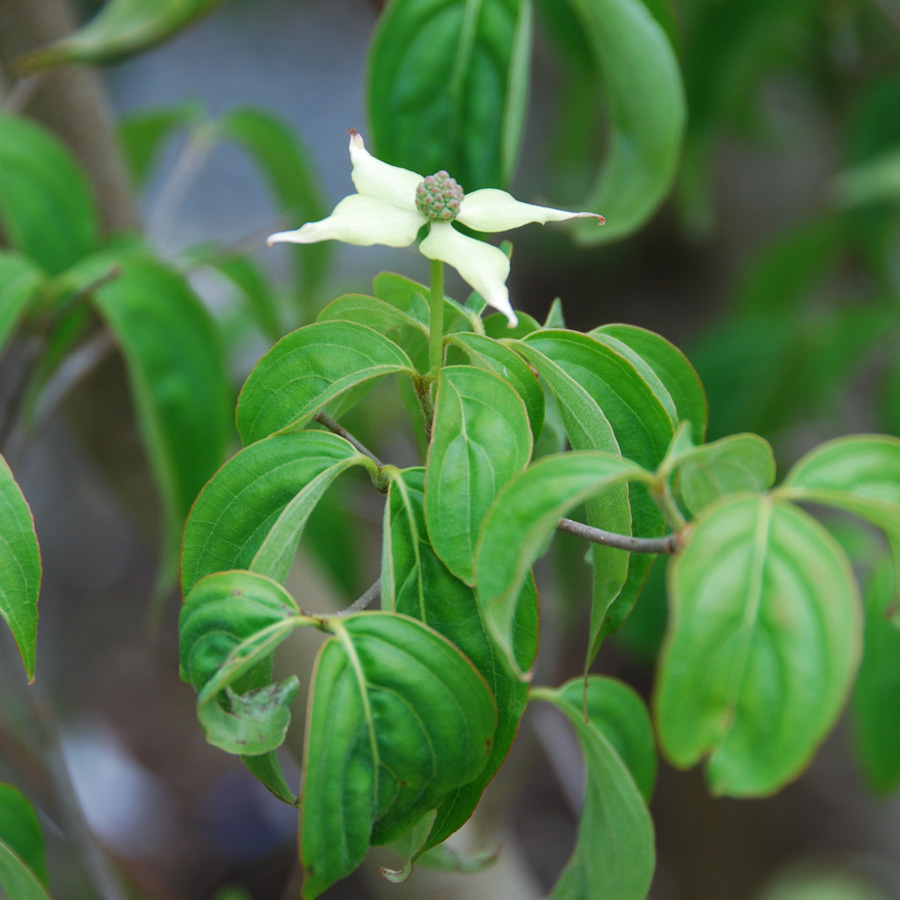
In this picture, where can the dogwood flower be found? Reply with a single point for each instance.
(392, 204)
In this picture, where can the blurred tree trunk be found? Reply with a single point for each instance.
(71, 101)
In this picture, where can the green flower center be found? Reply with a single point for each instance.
(439, 197)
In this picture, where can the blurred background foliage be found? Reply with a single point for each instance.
(747, 158)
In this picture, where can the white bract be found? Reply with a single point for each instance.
(392, 205)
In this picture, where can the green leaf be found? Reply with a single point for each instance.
(876, 725)
(394, 323)
(614, 855)
(791, 267)
(258, 296)
(121, 29)
(488, 353)
(859, 474)
(742, 462)
(408, 845)
(415, 582)
(255, 722)
(496, 325)
(309, 368)
(443, 859)
(143, 133)
(21, 831)
(619, 713)
(645, 97)
(398, 718)
(20, 287)
(480, 440)
(874, 181)
(670, 365)
(46, 207)
(266, 769)
(607, 405)
(16, 879)
(825, 885)
(763, 644)
(447, 87)
(253, 511)
(292, 175)
(220, 615)
(230, 626)
(177, 377)
(20, 568)
(518, 526)
(410, 297)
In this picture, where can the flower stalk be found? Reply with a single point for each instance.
(436, 321)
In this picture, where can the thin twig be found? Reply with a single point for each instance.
(373, 593)
(324, 419)
(182, 175)
(72, 371)
(86, 290)
(20, 93)
(668, 544)
(47, 747)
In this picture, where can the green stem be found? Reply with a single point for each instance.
(667, 505)
(436, 335)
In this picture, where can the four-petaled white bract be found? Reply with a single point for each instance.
(384, 212)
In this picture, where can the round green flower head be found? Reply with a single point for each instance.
(438, 197)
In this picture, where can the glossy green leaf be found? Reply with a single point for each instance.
(447, 87)
(480, 440)
(20, 568)
(21, 831)
(46, 207)
(876, 700)
(309, 368)
(614, 855)
(488, 353)
(742, 462)
(496, 325)
(398, 718)
(20, 287)
(120, 29)
(643, 90)
(519, 525)
(587, 427)
(230, 626)
(859, 474)
(672, 368)
(253, 511)
(602, 395)
(292, 175)
(16, 879)
(402, 328)
(143, 133)
(763, 644)
(619, 713)
(220, 615)
(415, 582)
(177, 377)
(411, 298)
